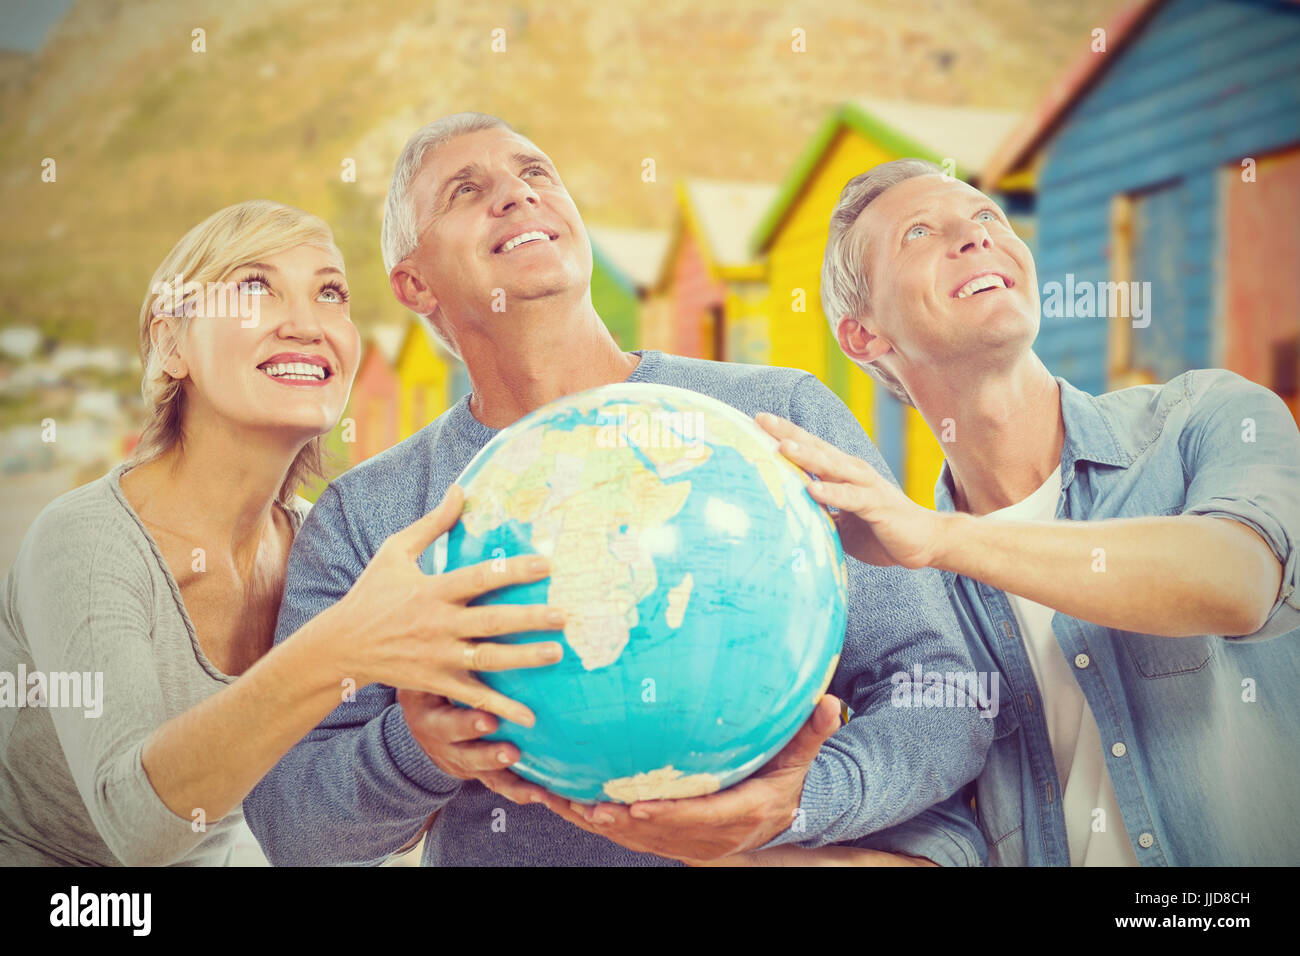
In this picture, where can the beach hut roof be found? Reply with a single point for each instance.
(636, 253)
(387, 338)
(1082, 75)
(725, 214)
(965, 134)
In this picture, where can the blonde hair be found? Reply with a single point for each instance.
(231, 237)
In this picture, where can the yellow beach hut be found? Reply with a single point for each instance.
(791, 236)
(424, 369)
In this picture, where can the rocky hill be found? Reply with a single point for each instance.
(150, 136)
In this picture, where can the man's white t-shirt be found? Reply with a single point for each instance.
(1075, 738)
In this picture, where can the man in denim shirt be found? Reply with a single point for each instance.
(1146, 644)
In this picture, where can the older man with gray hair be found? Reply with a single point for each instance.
(483, 241)
(1126, 563)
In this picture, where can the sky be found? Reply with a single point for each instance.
(24, 24)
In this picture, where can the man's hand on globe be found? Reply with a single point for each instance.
(878, 523)
(450, 736)
(701, 829)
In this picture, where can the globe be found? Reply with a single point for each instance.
(704, 588)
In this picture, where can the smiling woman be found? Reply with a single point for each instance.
(226, 251)
(212, 256)
(161, 582)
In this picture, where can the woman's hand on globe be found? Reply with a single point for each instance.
(877, 522)
(402, 627)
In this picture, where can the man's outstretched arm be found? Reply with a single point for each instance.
(1227, 565)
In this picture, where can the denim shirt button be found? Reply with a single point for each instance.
(1119, 750)
(1082, 660)
(1145, 840)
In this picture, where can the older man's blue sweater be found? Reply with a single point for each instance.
(359, 786)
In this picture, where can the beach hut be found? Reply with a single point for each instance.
(709, 298)
(792, 236)
(625, 266)
(424, 371)
(1167, 172)
(375, 404)
(613, 296)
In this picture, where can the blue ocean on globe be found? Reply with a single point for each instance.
(705, 590)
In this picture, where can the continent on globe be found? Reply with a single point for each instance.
(704, 590)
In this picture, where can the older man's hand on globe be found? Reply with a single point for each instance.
(450, 736)
(702, 829)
